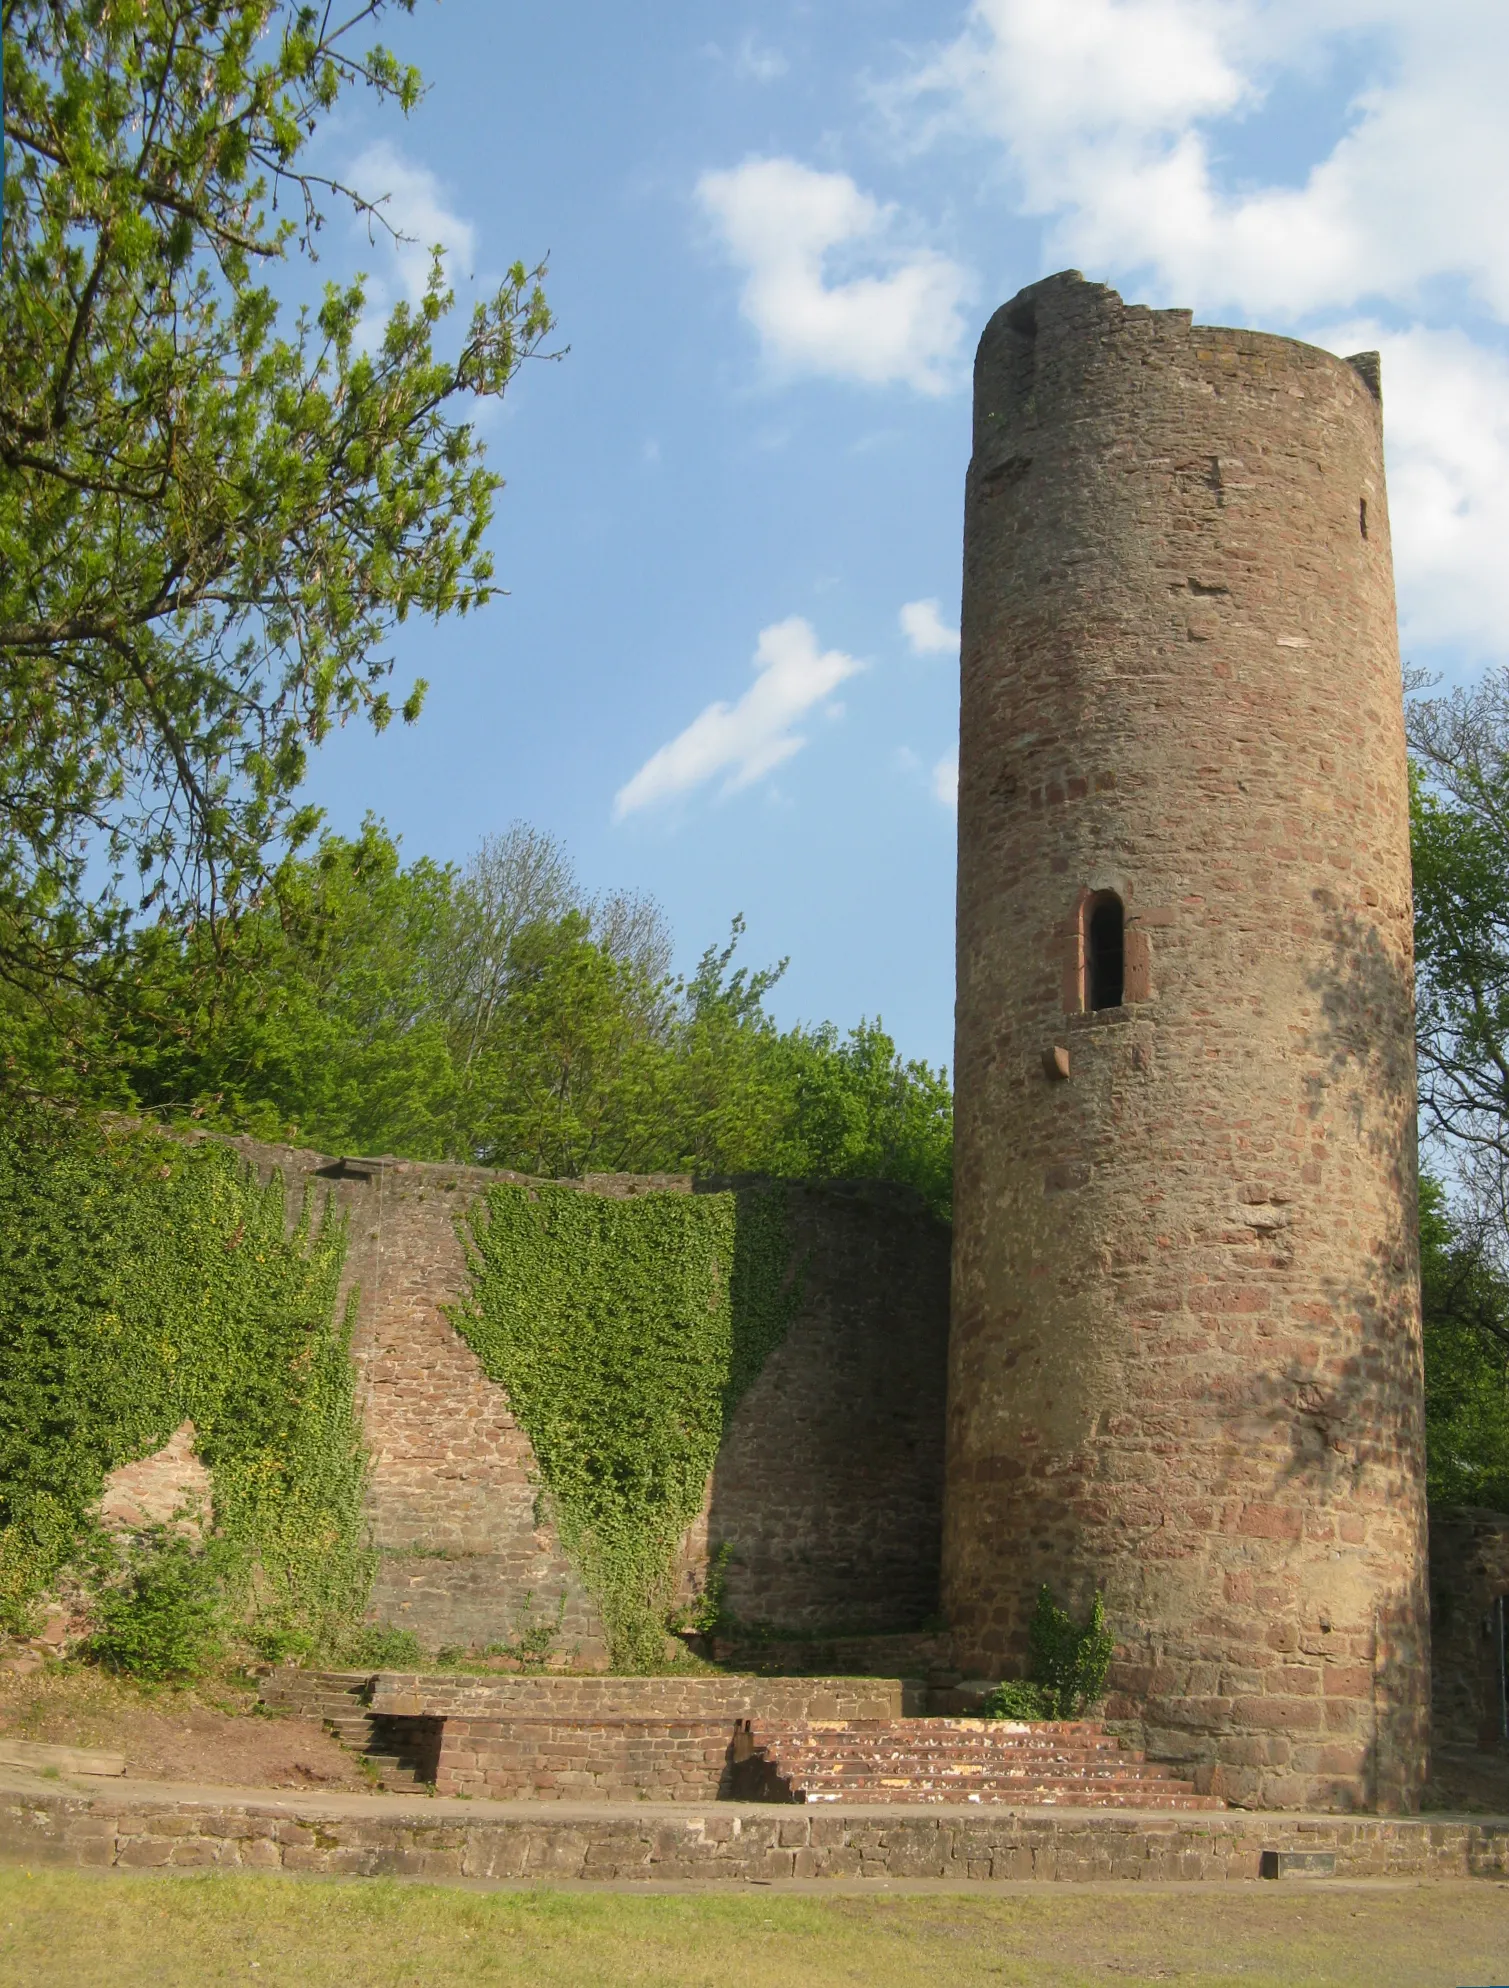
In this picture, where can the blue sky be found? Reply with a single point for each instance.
(725, 670)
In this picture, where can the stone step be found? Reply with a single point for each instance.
(810, 1767)
(1008, 1748)
(1004, 1770)
(1068, 1794)
(402, 1755)
(351, 1728)
(957, 1760)
(1080, 1729)
(817, 1765)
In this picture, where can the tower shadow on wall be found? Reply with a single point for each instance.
(828, 1485)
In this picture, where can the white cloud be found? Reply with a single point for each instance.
(1446, 429)
(413, 204)
(1111, 117)
(923, 626)
(946, 779)
(759, 63)
(746, 740)
(1104, 108)
(783, 224)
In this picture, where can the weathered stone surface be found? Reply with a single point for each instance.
(170, 1486)
(454, 1694)
(828, 1485)
(154, 1828)
(37, 1754)
(1185, 1358)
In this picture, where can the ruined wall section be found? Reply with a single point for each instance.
(828, 1487)
(467, 1555)
(1469, 1602)
(1185, 1364)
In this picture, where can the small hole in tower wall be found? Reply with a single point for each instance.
(1362, 515)
(1022, 318)
(1105, 951)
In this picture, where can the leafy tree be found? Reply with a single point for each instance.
(492, 1013)
(333, 1029)
(1465, 1298)
(211, 519)
(1460, 847)
(568, 1081)
(863, 1112)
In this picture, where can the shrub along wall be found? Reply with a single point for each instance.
(143, 1283)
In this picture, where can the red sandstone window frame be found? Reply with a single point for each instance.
(1079, 965)
(1102, 952)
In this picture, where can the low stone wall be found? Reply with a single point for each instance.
(459, 1695)
(608, 1760)
(147, 1827)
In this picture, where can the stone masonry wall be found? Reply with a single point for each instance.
(625, 1739)
(608, 1760)
(1469, 1578)
(829, 1483)
(466, 1554)
(1185, 1365)
(149, 1828)
(828, 1488)
(169, 1487)
(683, 1699)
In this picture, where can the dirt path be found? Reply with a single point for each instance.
(215, 1734)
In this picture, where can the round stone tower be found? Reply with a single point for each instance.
(1185, 1363)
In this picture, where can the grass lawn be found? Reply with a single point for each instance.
(63, 1927)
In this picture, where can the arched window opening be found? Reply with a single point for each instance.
(1105, 952)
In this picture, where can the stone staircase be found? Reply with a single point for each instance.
(1072, 1763)
(892, 1759)
(403, 1752)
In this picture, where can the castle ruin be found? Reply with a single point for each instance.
(1185, 1349)
(1180, 1365)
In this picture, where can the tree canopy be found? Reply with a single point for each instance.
(212, 514)
(491, 1012)
(1460, 847)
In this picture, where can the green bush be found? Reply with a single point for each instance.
(1068, 1661)
(160, 1604)
(1017, 1699)
(1069, 1665)
(379, 1646)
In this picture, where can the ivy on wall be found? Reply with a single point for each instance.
(624, 1333)
(142, 1283)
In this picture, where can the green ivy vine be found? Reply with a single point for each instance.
(624, 1333)
(144, 1282)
